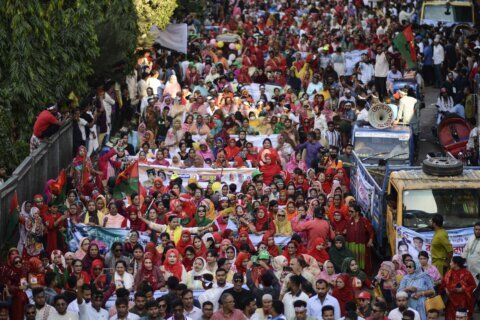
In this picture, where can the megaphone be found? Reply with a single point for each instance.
(380, 116)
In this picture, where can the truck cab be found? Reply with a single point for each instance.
(448, 13)
(394, 144)
(400, 201)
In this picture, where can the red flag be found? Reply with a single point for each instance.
(127, 181)
(14, 203)
(85, 173)
(408, 33)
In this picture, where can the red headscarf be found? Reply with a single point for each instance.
(238, 243)
(181, 245)
(322, 255)
(202, 252)
(151, 248)
(238, 261)
(263, 224)
(188, 263)
(345, 294)
(273, 249)
(175, 269)
(35, 265)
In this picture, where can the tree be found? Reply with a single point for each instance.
(154, 12)
(51, 48)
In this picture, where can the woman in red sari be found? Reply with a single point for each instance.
(241, 262)
(185, 241)
(272, 247)
(319, 251)
(36, 273)
(149, 273)
(263, 222)
(98, 277)
(199, 247)
(343, 291)
(459, 284)
(17, 283)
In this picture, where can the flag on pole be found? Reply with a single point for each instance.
(127, 181)
(12, 218)
(406, 46)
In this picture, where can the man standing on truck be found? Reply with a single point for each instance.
(360, 238)
(441, 249)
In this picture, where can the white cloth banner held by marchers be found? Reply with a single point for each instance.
(174, 37)
(148, 172)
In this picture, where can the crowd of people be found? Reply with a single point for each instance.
(283, 75)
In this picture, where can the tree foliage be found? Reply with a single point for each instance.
(51, 48)
(154, 12)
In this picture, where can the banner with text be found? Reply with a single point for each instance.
(148, 173)
(409, 241)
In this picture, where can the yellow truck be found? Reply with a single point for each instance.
(400, 202)
(448, 13)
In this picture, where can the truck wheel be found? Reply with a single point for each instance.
(442, 166)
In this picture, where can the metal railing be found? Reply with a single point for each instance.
(30, 176)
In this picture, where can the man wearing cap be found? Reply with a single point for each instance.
(461, 314)
(315, 86)
(402, 305)
(238, 292)
(46, 125)
(364, 309)
(212, 107)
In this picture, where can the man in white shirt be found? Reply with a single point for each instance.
(438, 58)
(366, 70)
(471, 252)
(315, 86)
(43, 309)
(216, 291)
(122, 311)
(402, 305)
(154, 83)
(92, 310)
(381, 71)
(60, 312)
(316, 303)
(293, 295)
(190, 310)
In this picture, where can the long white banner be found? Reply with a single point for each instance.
(409, 241)
(148, 172)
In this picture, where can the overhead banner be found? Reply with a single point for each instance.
(351, 59)
(174, 37)
(409, 241)
(105, 237)
(147, 173)
(254, 90)
(256, 140)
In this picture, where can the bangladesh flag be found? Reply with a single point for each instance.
(406, 46)
(12, 226)
(59, 189)
(127, 182)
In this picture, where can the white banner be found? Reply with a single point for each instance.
(351, 58)
(364, 191)
(409, 241)
(256, 140)
(174, 37)
(147, 173)
(254, 90)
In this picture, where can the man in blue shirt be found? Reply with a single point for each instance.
(427, 70)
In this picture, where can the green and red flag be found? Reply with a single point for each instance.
(404, 42)
(59, 188)
(13, 217)
(127, 182)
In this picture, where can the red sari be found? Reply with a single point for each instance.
(272, 249)
(345, 294)
(319, 255)
(457, 300)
